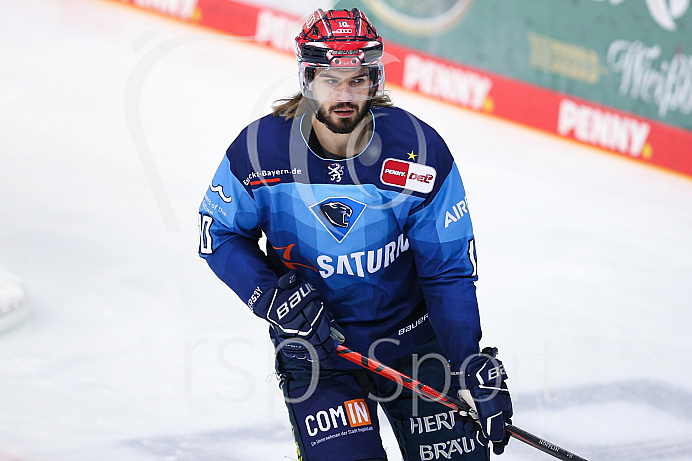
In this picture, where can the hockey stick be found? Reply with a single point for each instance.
(423, 389)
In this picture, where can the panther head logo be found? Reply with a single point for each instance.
(337, 213)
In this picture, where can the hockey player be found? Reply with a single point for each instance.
(368, 237)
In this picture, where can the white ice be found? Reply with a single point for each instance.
(112, 122)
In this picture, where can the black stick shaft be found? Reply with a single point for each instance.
(543, 445)
(422, 389)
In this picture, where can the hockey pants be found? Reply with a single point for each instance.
(334, 416)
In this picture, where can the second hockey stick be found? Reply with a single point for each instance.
(423, 389)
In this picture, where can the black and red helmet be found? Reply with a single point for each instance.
(339, 38)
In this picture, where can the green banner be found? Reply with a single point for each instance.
(634, 55)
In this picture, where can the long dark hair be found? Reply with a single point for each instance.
(296, 105)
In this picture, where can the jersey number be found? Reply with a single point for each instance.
(472, 257)
(205, 241)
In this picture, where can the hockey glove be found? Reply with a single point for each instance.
(483, 387)
(300, 323)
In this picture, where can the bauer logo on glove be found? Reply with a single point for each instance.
(481, 384)
(300, 323)
(294, 300)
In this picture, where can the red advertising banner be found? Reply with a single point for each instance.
(616, 131)
(606, 128)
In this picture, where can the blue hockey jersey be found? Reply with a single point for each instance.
(384, 236)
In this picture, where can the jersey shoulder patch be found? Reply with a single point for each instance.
(408, 175)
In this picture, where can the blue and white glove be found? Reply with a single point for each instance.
(300, 323)
(483, 387)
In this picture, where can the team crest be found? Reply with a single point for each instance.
(338, 215)
(335, 171)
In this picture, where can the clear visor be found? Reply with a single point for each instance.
(328, 83)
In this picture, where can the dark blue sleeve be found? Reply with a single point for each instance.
(441, 236)
(229, 235)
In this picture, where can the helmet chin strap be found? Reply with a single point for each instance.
(313, 105)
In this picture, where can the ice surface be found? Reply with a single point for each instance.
(112, 123)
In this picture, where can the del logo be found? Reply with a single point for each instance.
(353, 413)
(338, 215)
(407, 175)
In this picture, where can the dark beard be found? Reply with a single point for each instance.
(342, 126)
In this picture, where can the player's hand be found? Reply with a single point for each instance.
(300, 323)
(483, 387)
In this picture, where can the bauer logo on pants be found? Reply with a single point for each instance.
(407, 175)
